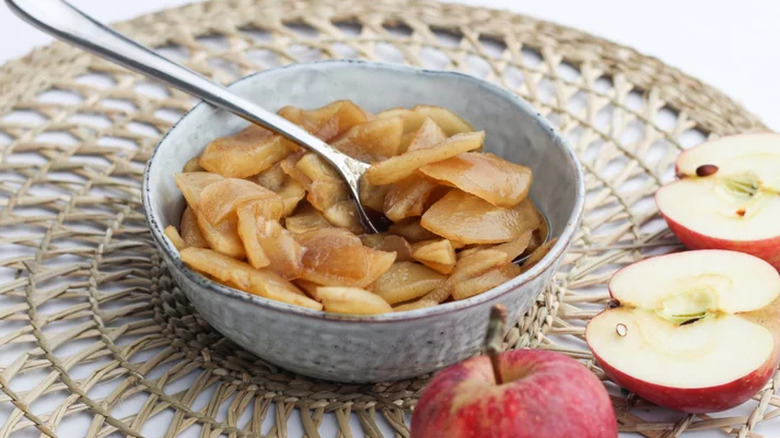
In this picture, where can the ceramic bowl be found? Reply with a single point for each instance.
(388, 346)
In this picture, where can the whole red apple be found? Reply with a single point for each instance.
(543, 394)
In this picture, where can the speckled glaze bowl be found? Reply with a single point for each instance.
(389, 346)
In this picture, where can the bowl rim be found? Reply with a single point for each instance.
(557, 251)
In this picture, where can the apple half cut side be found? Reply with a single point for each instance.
(728, 196)
(696, 331)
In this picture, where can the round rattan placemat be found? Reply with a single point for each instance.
(93, 333)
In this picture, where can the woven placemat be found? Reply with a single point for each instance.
(95, 337)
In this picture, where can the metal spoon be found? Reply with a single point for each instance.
(67, 23)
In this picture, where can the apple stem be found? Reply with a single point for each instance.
(494, 337)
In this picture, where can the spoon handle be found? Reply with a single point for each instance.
(67, 23)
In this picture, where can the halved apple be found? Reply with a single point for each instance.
(728, 196)
(696, 331)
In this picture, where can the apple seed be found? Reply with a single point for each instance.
(706, 170)
(611, 304)
(741, 212)
(621, 330)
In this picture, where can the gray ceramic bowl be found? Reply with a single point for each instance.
(389, 346)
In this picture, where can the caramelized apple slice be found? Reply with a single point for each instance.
(413, 119)
(324, 194)
(398, 245)
(329, 121)
(399, 167)
(372, 196)
(487, 176)
(353, 301)
(438, 255)
(372, 141)
(539, 236)
(271, 178)
(407, 197)
(406, 281)
(242, 276)
(411, 230)
(192, 166)
(222, 237)
(469, 219)
(414, 305)
(190, 231)
(245, 154)
(429, 134)
(344, 214)
(308, 287)
(515, 247)
(173, 235)
(288, 166)
(192, 184)
(306, 218)
(248, 218)
(291, 193)
(335, 257)
(283, 251)
(220, 199)
(467, 267)
(316, 168)
(484, 282)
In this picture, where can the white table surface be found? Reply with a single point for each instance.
(735, 48)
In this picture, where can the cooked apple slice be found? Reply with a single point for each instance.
(353, 301)
(222, 237)
(192, 184)
(411, 230)
(328, 121)
(173, 235)
(305, 218)
(283, 251)
(408, 197)
(192, 166)
(466, 218)
(372, 141)
(344, 214)
(429, 135)
(438, 255)
(271, 178)
(396, 244)
(487, 176)
(538, 254)
(316, 168)
(484, 282)
(413, 119)
(248, 219)
(190, 231)
(291, 193)
(372, 196)
(245, 154)
(406, 281)
(336, 257)
(422, 303)
(220, 199)
(468, 267)
(695, 331)
(242, 276)
(324, 194)
(399, 167)
(728, 197)
(288, 166)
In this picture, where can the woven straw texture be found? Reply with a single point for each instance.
(95, 337)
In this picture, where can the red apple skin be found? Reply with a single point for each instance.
(695, 400)
(545, 394)
(767, 249)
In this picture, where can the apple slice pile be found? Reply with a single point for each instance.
(728, 196)
(696, 331)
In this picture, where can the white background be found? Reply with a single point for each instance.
(734, 46)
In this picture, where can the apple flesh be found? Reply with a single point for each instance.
(543, 394)
(728, 196)
(695, 331)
